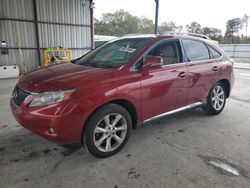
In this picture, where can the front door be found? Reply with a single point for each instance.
(164, 88)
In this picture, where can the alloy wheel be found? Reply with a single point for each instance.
(110, 132)
(218, 98)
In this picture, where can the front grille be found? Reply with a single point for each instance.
(19, 95)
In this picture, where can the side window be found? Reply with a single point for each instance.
(169, 51)
(215, 54)
(195, 50)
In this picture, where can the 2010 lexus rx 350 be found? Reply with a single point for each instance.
(101, 96)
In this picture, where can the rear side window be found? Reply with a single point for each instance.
(195, 50)
(214, 53)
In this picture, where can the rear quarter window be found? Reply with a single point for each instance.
(195, 50)
(214, 53)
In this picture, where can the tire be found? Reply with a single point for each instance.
(107, 130)
(216, 100)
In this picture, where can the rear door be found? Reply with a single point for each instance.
(203, 70)
(164, 88)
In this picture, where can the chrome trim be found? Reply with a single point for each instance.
(186, 34)
(194, 105)
(31, 93)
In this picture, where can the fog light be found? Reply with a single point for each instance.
(51, 130)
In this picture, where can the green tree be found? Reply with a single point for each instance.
(146, 25)
(119, 23)
(213, 33)
(233, 26)
(169, 26)
(122, 22)
(194, 27)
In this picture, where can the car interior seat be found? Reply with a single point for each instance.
(169, 54)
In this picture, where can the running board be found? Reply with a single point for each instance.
(188, 107)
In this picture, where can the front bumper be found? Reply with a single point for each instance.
(64, 118)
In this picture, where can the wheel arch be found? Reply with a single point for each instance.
(226, 85)
(129, 106)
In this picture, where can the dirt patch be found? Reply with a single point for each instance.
(25, 150)
(181, 130)
(67, 152)
(55, 166)
(132, 174)
(16, 140)
(2, 151)
(3, 126)
(46, 151)
(32, 154)
(14, 160)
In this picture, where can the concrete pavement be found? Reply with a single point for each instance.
(176, 151)
(239, 65)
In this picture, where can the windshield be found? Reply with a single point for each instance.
(114, 54)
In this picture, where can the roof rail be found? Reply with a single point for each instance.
(187, 34)
(137, 34)
(132, 34)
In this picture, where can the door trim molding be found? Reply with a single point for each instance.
(194, 105)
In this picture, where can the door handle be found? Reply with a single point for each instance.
(215, 68)
(182, 74)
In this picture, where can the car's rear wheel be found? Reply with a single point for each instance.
(216, 100)
(107, 131)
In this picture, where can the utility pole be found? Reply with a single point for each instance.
(156, 15)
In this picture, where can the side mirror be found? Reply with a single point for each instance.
(153, 61)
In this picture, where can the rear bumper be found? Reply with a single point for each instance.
(64, 118)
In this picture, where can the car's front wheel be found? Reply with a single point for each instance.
(107, 131)
(216, 100)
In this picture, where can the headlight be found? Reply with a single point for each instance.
(50, 97)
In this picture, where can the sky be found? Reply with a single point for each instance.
(210, 13)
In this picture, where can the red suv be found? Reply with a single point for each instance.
(96, 99)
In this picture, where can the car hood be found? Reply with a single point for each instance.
(63, 76)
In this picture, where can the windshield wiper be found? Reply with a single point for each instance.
(74, 61)
(105, 66)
